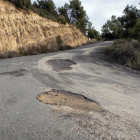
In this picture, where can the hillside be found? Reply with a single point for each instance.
(23, 28)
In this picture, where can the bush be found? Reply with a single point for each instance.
(61, 20)
(3, 56)
(42, 48)
(8, 55)
(31, 50)
(22, 3)
(65, 47)
(12, 54)
(125, 52)
(41, 14)
(59, 40)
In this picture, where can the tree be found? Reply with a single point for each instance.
(126, 26)
(63, 11)
(135, 31)
(74, 13)
(22, 3)
(45, 8)
(129, 19)
(105, 28)
(92, 33)
(113, 27)
(45, 4)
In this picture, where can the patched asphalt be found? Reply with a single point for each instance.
(113, 88)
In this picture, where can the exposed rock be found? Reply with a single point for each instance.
(21, 28)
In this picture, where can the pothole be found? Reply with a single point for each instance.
(19, 72)
(61, 98)
(61, 64)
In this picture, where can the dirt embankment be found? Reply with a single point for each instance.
(21, 28)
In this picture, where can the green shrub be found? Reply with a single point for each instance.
(41, 14)
(59, 40)
(61, 20)
(125, 52)
(22, 3)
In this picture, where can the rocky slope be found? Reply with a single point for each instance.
(21, 28)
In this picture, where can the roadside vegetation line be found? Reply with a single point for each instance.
(125, 52)
(40, 49)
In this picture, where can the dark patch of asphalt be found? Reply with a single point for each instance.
(61, 64)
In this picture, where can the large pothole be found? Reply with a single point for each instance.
(61, 64)
(74, 101)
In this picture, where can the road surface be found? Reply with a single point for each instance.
(114, 88)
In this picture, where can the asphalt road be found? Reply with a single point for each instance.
(115, 88)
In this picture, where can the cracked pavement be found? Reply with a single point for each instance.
(115, 88)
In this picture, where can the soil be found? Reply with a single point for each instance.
(65, 98)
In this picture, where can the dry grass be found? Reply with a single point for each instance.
(34, 50)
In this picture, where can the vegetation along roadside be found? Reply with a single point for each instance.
(126, 32)
(125, 52)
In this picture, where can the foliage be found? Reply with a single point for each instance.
(126, 26)
(45, 8)
(22, 3)
(128, 20)
(125, 52)
(62, 20)
(135, 31)
(45, 4)
(112, 26)
(59, 40)
(92, 33)
(63, 11)
(74, 13)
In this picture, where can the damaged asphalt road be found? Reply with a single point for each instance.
(68, 95)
